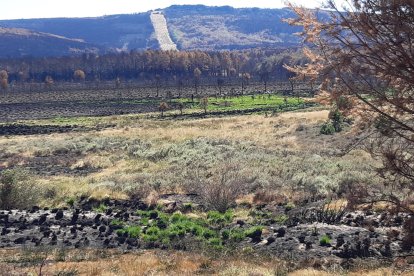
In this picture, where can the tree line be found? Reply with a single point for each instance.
(153, 65)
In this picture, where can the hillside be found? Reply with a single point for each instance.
(202, 27)
(190, 27)
(113, 32)
(22, 42)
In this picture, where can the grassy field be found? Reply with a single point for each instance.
(283, 154)
(280, 159)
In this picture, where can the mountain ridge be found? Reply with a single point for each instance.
(191, 27)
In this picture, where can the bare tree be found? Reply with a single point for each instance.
(197, 75)
(163, 107)
(204, 104)
(364, 59)
(245, 78)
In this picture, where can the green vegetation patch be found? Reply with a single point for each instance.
(215, 230)
(245, 102)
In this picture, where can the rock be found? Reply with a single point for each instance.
(34, 209)
(102, 228)
(121, 240)
(263, 242)
(340, 240)
(59, 215)
(106, 242)
(74, 218)
(281, 232)
(302, 238)
(255, 235)
(270, 240)
(108, 212)
(20, 240)
(42, 219)
(97, 218)
(5, 231)
(86, 241)
(132, 242)
(398, 220)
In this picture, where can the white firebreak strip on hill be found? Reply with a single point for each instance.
(161, 31)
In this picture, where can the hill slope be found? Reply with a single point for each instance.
(190, 27)
(113, 32)
(21, 42)
(202, 27)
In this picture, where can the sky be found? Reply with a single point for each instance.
(17, 9)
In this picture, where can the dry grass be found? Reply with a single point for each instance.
(269, 142)
(155, 262)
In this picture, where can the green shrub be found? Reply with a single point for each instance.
(289, 206)
(178, 229)
(208, 233)
(281, 219)
(133, 231)
(197, 230)
(153, 231)
(177, 217)
(225, 234)
(70, 201)
(253, 232)
(162, 222)
(327, 129)
(217, 218)
(144, 221)
(237, 235)
(215, 242)
(101, 208)
(117, 222)
(337, 120)
(325, 240)
(152, 234)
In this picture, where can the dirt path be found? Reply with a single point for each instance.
(161, 31)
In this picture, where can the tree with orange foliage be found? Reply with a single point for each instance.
(49, 81)
(363, 56)
(4, 79)
(79, 75)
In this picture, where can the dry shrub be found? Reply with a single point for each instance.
(152, 199)
(16, 191)
(266, 197)
(4, 83)
(139, 192)
(354, 192)
(408, 240)
(220, 191)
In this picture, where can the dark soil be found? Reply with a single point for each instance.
(82, 227)
(104, 102)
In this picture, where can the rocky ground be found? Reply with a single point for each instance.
(356, 235)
